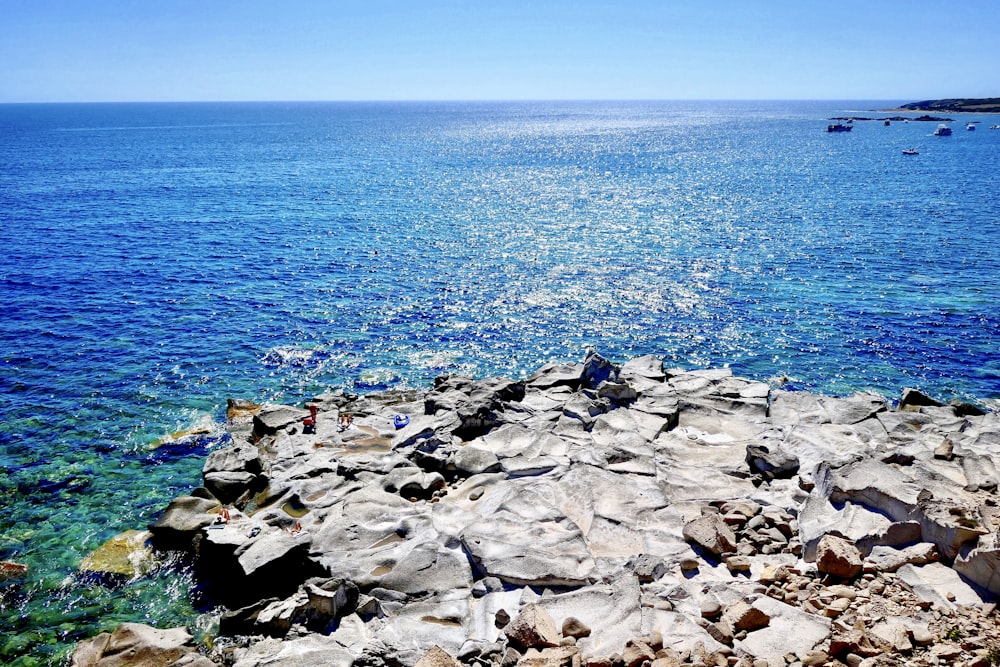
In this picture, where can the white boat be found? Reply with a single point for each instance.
(995, 127)
(942, 131)
(970, 127)
(910, 151)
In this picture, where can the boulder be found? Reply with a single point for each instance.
(838, 557)
(981, 564)
(271, 563)
(126, 556)
(437, 657)
(711, 533)
(742, 616)
(533, 627)
(183, 519)
(274, 418)
(771, 462)
(914, 399)
(597, 369)
(789, 630)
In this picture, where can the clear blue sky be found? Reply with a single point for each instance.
(149, 50)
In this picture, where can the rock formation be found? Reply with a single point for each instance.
(602, 515)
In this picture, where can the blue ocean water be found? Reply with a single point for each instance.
(161, 258)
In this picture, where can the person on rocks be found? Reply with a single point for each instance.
(345, 422)
(309, 423)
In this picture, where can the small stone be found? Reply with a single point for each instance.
(814, 658)
(922, 636)
(738, 564)
(838, 607)
(773, 573)
(574, 627)
(710, 608)
(689, 564)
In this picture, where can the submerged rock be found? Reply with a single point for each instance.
(138, 645)
(126, 556)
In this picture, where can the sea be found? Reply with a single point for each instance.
(159, 259)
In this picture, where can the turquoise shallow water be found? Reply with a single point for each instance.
(161, 258)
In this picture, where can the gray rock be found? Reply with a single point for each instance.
(183, 519)
(789, 630)
(649, 367)
(556, 375)
(647, 568)
(888, 559)
(939, 584)
(711, 533)
(597, 369)
(472, 460)
(772, 463)
(274, 418)
(529, 555)
(307, 651)
(229, 485)
(981, 564)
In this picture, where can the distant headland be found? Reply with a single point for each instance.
(969, 105)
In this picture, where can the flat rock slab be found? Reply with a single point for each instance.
(790, 630)
(940, 584)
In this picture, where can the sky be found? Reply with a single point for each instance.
(220, 50)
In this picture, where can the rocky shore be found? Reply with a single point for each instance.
(591, 514)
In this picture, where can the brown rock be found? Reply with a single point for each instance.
(533, 627)
(574, 627)
(636, 652)
(744, 616)
(138, 645)
(559, 656)
(814, 658)
(437, 657)
(838, 557)
(738, 564)
(721, 632)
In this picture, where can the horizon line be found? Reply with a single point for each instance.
(469, 100)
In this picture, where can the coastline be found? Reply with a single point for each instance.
(497, 521)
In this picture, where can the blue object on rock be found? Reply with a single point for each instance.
(401, 420)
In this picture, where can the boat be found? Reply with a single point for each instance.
(942, 131)
(887, 123)
(839, 127)
(995, 127)
(910, 151)
(969, 126)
